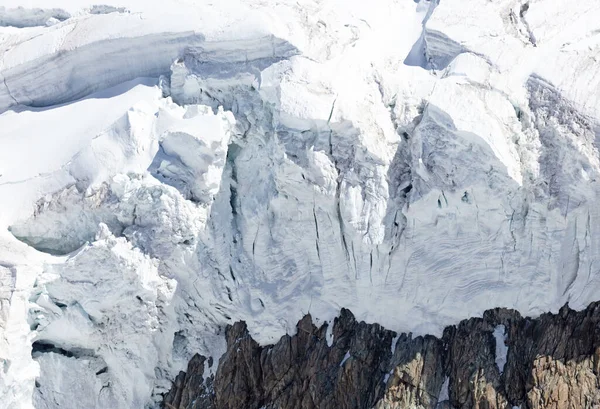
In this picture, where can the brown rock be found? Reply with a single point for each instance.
(552, 363)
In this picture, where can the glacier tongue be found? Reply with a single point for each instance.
(417, 163)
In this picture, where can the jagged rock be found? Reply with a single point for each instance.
(570, 385)
(190, 390)
(417, 374)
(302, 371)
(552, 362)
(474, 375)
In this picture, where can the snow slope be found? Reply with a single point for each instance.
(167, 169)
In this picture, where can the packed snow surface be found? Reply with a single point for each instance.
(168, 168)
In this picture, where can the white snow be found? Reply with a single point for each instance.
(21, 17)
(444, 395)
(329, 334)
(417, 163)
(387, 376)
(501, 347)
(394, 342)
(345, 358)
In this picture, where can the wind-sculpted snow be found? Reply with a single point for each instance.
(417, 163)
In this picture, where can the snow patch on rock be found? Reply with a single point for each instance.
(329, 334)
(501, 348)
(345, 358)
(444, 395)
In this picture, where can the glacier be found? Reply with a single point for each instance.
(170, 168)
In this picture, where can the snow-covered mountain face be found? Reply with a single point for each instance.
(168, 168)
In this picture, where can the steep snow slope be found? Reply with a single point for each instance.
(415, 162)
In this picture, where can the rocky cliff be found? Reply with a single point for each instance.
(500, 361)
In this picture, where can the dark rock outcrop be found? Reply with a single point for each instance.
(190, 390)
(552, 361)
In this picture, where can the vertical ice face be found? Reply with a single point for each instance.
(414, 162)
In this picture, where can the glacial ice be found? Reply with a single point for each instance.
(166, 171)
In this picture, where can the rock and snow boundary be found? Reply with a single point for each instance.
(164, 174)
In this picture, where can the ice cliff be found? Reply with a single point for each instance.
(171, 168)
